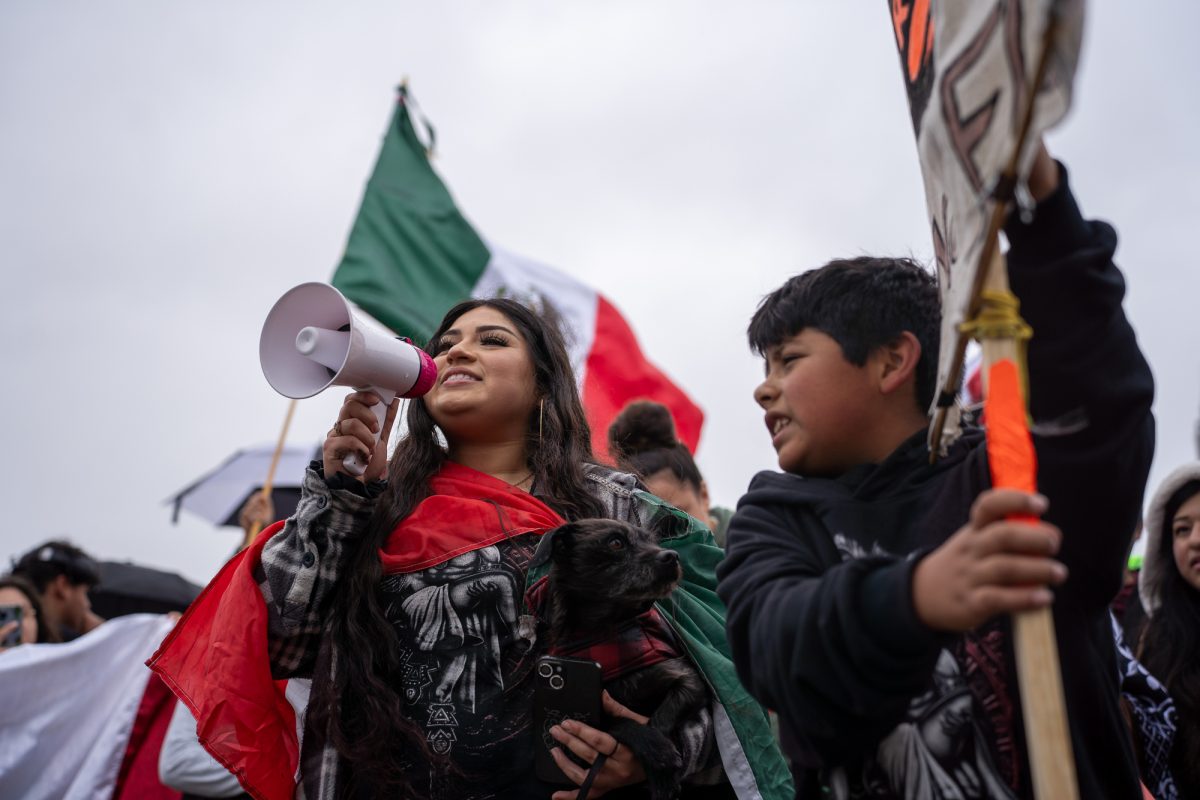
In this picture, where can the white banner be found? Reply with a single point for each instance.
(968, 66)
(66, 710)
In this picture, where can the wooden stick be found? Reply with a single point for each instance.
(1035, 646)
(269, 484)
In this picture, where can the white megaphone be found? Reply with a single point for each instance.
(313, 339)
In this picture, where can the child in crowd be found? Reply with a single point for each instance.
(868, 589)
(1170, 583)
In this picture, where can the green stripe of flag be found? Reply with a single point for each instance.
(411, 254)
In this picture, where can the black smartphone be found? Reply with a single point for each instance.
(566, 688)
(11, 614)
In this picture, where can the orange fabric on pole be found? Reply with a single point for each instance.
(1010, 447)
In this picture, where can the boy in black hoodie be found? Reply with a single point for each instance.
(869, 591)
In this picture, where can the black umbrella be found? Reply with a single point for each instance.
(127, 588)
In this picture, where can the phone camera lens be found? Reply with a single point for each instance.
(545, 670)
(556, 682)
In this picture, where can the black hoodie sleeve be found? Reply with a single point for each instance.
(1090, 390)
(834, 647)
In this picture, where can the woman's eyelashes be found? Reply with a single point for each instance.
(489, 339)
(494, 339)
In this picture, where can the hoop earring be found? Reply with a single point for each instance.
(541, 416)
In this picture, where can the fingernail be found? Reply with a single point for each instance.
(1060, 572)
(554, 731)
(1043, 597)
(1040, 503)
(569, 725)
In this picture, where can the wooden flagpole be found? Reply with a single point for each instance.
(269, 483)
(994, 320)
(1001, 332)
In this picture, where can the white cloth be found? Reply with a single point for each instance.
(967, 94)
(66, 710)
(184, 764)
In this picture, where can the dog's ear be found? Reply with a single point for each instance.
(564, 538)
(556, 542)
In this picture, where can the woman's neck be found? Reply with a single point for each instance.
(504, 461)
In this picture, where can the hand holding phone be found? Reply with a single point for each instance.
(566, 688)
(10, 625)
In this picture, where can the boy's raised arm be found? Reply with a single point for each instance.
(1090, 389)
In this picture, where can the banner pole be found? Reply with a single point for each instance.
(1035, 645)
(269, 483)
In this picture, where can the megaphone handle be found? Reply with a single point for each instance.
(354, 462)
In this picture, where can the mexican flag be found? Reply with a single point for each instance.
(412, 255)
(83, 720)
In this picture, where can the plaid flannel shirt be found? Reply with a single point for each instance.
(298, 574)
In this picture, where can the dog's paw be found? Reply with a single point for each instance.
(527, 630)
(657, 755)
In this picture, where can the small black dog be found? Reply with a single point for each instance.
(604, 577)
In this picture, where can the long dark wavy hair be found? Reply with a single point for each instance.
(1170, 646)
(362, 711)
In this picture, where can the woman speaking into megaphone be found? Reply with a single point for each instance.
(401, 591)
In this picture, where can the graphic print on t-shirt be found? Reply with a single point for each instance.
(939, 750)
(456, 623)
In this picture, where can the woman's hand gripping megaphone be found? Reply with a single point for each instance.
(355, 433)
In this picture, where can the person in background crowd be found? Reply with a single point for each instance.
(257, 511)
(16, 591)
(1170, 584)
(642, 439)
(1127, 605)
(62, 575)
(1150, 716)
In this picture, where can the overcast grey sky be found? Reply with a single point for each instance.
(167, 170)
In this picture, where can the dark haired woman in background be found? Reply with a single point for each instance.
(1170, 587)
(643, 441)
(16, 591)
(402, 595)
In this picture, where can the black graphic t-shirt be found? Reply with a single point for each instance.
(466, 658)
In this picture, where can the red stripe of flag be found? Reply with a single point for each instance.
(618, 373)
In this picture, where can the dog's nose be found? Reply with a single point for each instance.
(667, 557)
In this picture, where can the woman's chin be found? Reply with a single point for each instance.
(450, 408)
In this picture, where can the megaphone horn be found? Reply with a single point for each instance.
(314, 338)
